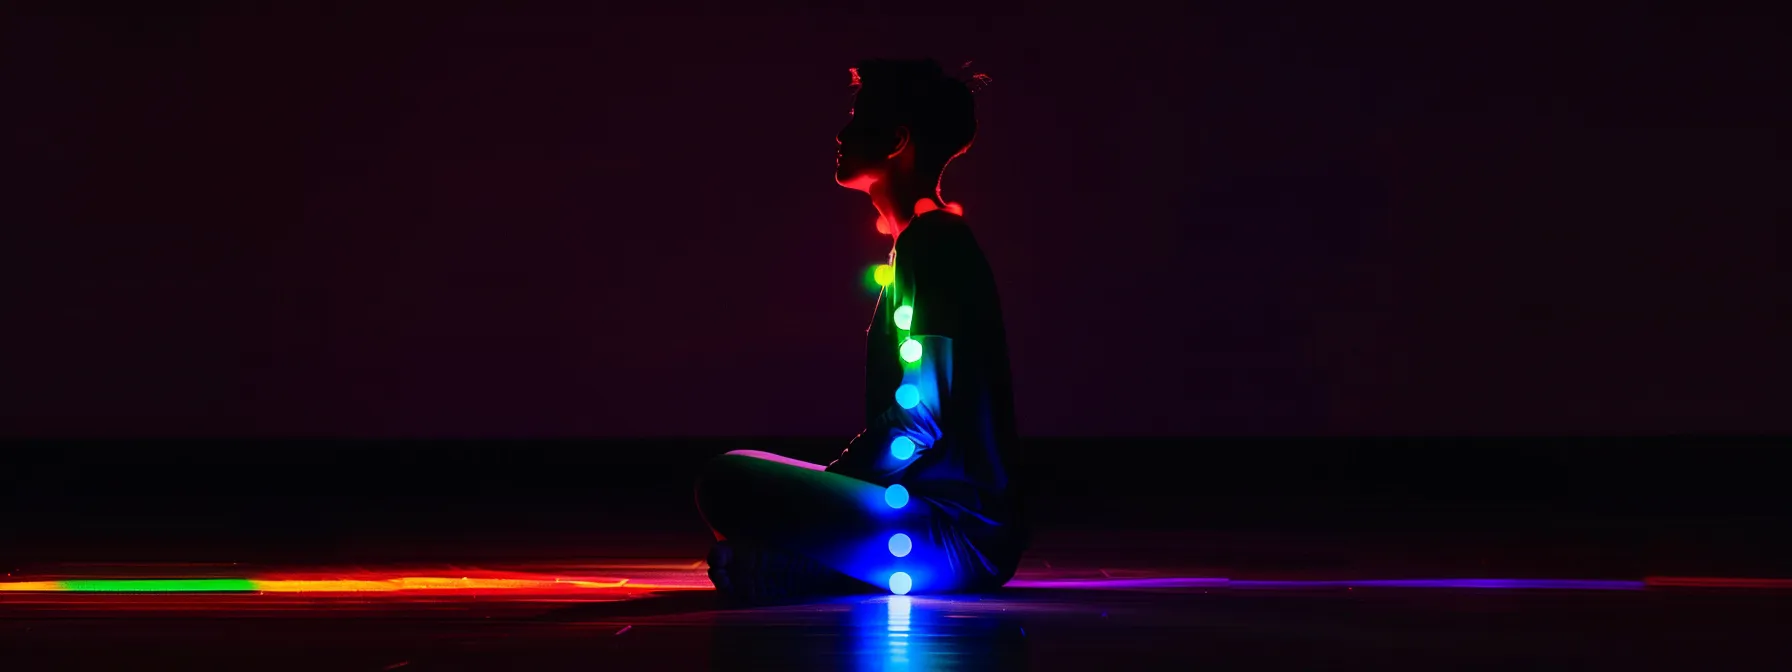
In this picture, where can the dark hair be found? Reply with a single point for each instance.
(937, 108)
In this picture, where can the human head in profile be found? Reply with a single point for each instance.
(921, 500)
(907, 125)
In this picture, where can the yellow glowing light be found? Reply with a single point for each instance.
(884, 275)
(33, 586)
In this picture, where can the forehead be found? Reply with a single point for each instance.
(866, 103)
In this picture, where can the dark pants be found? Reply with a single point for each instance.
(752, 497)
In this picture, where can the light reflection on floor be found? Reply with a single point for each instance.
(661, 615)
(606, 582)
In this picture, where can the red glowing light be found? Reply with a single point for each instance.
(926, 205)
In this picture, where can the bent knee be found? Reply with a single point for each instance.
(730, 466)
(744, 484)
(722, 480)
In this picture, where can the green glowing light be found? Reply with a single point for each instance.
(159, 585)
(884, 275)
(911, 350)
(905, 316)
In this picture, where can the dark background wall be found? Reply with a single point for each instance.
(1613, 508)
(582, 224)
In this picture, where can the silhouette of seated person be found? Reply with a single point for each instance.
(922, 500)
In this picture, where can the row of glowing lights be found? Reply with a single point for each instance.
(902, 447)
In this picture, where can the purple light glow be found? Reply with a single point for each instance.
(1204, 582)
(1495, 584)
(1118, 584)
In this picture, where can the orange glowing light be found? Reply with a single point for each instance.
(32, 586)
(326, 586)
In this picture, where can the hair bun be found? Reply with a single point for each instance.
(975, 81)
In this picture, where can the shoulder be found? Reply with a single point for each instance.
(934, 231)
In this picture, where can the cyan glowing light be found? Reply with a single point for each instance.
(902, 447)
(911, 350)
(900, 545)
(908, 396)
(905, 316)
(896, 496)
(900, 583)
(884, 275)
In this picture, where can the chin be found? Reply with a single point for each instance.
(850, 181)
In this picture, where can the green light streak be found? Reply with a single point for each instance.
(159, 585)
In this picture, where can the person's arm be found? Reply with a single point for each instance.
(927, 314)
(913, 424)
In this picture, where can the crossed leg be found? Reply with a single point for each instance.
(840, 522)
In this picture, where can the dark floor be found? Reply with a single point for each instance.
(1081, 628)
(1126, 572)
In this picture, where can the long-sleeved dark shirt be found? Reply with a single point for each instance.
(966, 439)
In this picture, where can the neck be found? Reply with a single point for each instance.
(895, 200)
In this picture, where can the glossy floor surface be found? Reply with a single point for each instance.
(586, 556)
(660, 615)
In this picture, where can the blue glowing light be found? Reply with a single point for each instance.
(911, 350)
(900, 545)
(908, 396)
(900, 583)
(905, 316)
(896, 496)
(902, 447)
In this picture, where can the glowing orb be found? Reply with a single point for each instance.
(911, 350)
(905, 316)
(900, 545)
(907, 396)
(885, 274)
(896, 496)
(900, 583)
(902, 447)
